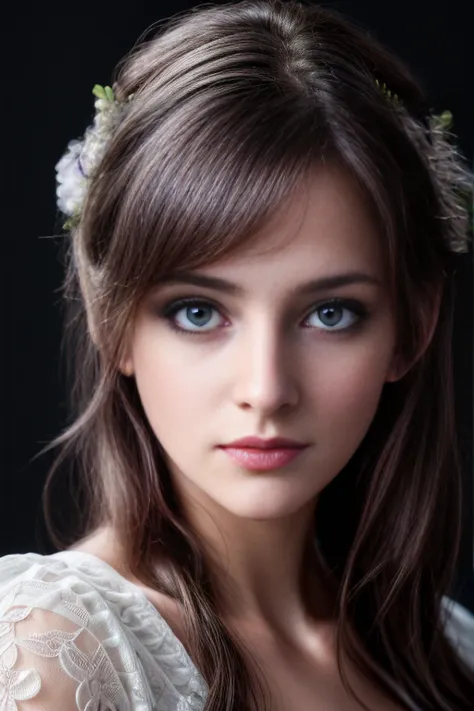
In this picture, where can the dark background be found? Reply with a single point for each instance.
(53, 58)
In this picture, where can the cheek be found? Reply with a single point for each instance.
(171, 388)
(347, 390)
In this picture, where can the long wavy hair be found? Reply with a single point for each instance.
(233, 106)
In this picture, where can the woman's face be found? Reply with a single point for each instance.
(267, 358)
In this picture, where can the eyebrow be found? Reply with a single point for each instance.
(310, 287)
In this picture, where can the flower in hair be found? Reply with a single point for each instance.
(388, 93)
(82, 157)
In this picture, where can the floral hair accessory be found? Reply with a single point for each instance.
(443, 121)
(383, 87)
(82, 157)
(440, 122)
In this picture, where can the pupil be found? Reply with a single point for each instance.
(333, 310)
(198, 310)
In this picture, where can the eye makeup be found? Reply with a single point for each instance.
(169, 311)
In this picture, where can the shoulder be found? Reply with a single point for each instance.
(57, 634)
(459, 628)
(103, 544)
(74, 635)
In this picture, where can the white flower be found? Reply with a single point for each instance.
(82, 157)
(71, 181)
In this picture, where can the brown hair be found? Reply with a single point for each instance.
(233, 105)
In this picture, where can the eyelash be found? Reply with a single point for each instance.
(170, 310)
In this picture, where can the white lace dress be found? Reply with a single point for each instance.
(76, 635)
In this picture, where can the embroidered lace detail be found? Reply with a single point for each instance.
(459, 629)
(74, 634)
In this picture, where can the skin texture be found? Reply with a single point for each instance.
(268, 362)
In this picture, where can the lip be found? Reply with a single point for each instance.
(262, 459)
(259, 443)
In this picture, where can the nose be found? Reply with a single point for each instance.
(266, 371)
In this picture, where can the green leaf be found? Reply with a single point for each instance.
(109, 93)
(99, 91)
(446, 119)
(72, 221)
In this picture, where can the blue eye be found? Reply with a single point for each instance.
(330, 313)
(197, 312)
(332, 316)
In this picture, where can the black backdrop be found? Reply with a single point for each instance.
(54, 56)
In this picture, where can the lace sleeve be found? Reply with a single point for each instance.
(47, 657)
(459, 628)
(63, 651)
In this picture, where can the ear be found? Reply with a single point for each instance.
(126, 366)
(399, 366)
(126, 357)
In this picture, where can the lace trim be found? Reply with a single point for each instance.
(122, 653)
(132, 659)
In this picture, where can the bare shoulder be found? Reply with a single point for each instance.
(103, 545)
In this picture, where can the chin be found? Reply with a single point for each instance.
(267, 505)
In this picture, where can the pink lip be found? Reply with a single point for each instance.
(258, 443)
(262, 459)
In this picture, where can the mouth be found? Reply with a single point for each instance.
(252, 442)
(257, 459)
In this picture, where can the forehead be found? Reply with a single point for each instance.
(327, 225)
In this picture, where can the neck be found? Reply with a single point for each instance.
(267, 573)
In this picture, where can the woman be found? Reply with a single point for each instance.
(263, 221)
